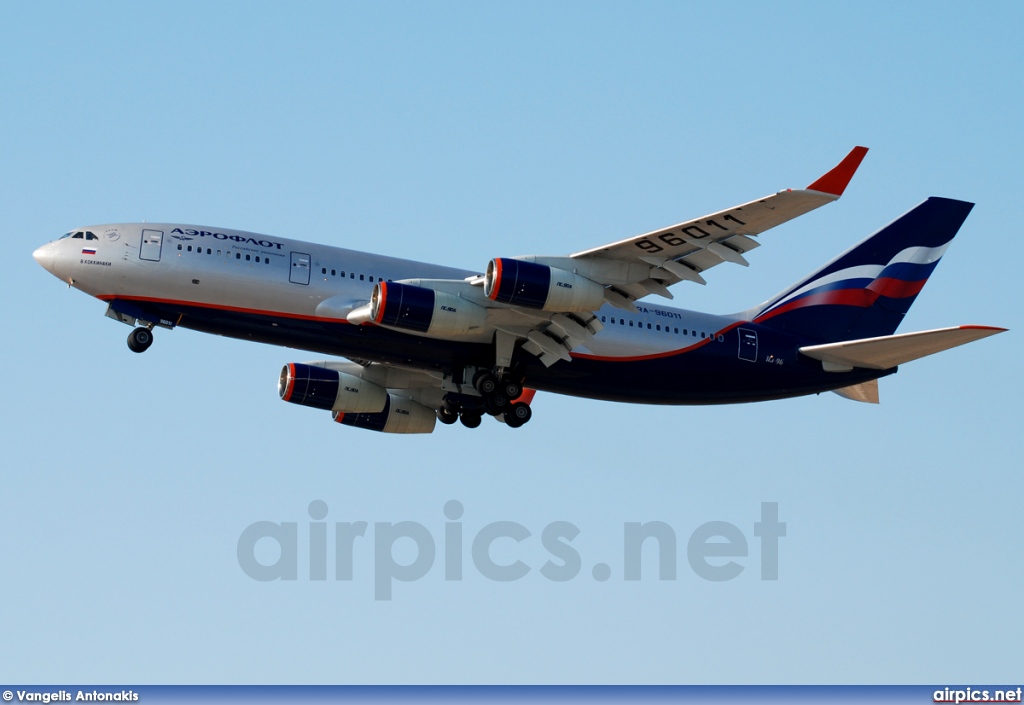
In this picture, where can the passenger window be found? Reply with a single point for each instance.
(179, 246)
(190, 248)
(677, 331)
(324, 270)
(238, 255)
(362, 278)
(648, 326)
(631, 324)
(334, 272)
(658, 327)
(702, 335)
(352, 275)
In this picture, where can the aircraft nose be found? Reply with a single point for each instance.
(43, 256)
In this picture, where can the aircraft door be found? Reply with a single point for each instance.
(299, 272)
(748, 344)
(152, 243)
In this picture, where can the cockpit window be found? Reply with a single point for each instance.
(90, 236)
(78, 236)
(65, 235)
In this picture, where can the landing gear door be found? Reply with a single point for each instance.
(299, 271)
(748, 344)
(152, 243)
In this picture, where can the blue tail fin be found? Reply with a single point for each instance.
(866, 291)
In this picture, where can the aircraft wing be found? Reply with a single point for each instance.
(548, 304)
(648, 263)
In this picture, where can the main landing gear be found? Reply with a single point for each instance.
(518, 414)
(452, 411)
(496, 399)
(498, 395)
(140, 339)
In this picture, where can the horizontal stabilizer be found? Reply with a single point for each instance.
(866, 392)
(888, 351)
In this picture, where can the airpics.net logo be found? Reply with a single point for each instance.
(715, 550)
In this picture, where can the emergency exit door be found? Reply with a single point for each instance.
(299, 272)
(748, 344)
(152, 243)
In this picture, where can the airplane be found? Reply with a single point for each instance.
(424, 343)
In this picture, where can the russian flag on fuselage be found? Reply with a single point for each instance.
(866, 291)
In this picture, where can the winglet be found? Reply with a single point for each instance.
(835, 181)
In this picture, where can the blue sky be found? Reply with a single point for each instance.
(455, 133)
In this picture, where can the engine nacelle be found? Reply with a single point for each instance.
(322, 388)
(400, 415)
(423, 310)
(519, 283)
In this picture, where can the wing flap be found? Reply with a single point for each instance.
(888, 351)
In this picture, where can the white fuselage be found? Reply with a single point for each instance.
(256, 273)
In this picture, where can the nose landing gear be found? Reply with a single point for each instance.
(140, 339)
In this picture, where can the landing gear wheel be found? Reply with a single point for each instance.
(140, 339)
(447, 417)
(495, 403)
(511, 389)
(470, 419)
(485, 383)
(518, 414)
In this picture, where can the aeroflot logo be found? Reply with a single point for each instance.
(178, 233)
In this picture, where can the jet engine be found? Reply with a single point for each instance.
(420, 309)
(519, 283)
(400, 415)
(332, 390)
